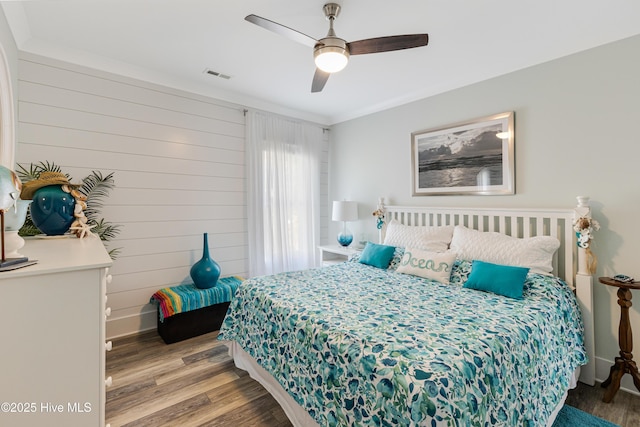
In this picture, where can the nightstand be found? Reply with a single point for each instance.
(333, 254)
(624, 363)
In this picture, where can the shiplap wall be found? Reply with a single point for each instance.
(179, 167)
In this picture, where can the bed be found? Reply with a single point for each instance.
(361, 343)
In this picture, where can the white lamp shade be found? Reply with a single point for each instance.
(344, 211)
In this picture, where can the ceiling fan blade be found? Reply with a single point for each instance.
(319, 80)
(387, 44)
(282, 30)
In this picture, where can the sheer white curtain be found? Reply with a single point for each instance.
(283, 185)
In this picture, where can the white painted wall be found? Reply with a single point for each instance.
(576, 134)
(179, 168)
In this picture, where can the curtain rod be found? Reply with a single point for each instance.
(245, 111)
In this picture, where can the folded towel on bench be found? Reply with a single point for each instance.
(182, 298)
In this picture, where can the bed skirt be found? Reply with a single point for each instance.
(297, 415)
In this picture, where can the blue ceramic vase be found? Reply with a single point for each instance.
(205, 273)
(52, 210)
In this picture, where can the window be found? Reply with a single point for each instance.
(283, 176)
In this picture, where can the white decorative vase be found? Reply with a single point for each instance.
(14, 219)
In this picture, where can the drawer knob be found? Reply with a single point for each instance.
(109, 278)
(107, 311)
(108, 381)
(108, 345)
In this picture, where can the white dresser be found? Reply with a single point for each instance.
(52, 335)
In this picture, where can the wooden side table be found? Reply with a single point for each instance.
(624, 363)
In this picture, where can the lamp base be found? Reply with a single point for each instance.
(13, 242)
(345, 239)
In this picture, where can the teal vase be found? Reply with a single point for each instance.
(52, 210)
(205, 273)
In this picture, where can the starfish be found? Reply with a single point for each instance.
(83, 230)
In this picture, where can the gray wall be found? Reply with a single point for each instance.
(576, 134)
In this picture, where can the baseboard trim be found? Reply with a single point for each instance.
(130, 325)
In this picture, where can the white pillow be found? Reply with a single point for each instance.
(434, 239)
(536, 253)
(430, 265)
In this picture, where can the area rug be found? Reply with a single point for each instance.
(572, 417)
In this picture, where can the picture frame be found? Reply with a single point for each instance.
(472, 157)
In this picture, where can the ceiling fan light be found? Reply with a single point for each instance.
(331, 59)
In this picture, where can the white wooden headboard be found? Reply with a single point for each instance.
(513, 222)
(569, 262)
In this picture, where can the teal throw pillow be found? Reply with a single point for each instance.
(377, 255)
(499, 279)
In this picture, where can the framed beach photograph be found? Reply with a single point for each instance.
(474, 157)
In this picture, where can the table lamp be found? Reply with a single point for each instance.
(345, 211)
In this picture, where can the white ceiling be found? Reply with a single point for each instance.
(172, 42)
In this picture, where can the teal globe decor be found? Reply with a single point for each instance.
(15, 217)
(205, 273)
(52, 210)
(10, 186)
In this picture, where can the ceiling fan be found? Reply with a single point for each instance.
(331, 53)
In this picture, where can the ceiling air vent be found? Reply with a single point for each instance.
(217, 74)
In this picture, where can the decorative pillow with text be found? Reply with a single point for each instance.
(430, 265)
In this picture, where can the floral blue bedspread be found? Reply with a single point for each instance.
(360, 346)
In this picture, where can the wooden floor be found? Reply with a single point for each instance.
(623, 410)
(194, 383)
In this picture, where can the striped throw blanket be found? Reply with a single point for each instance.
(179, 299)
